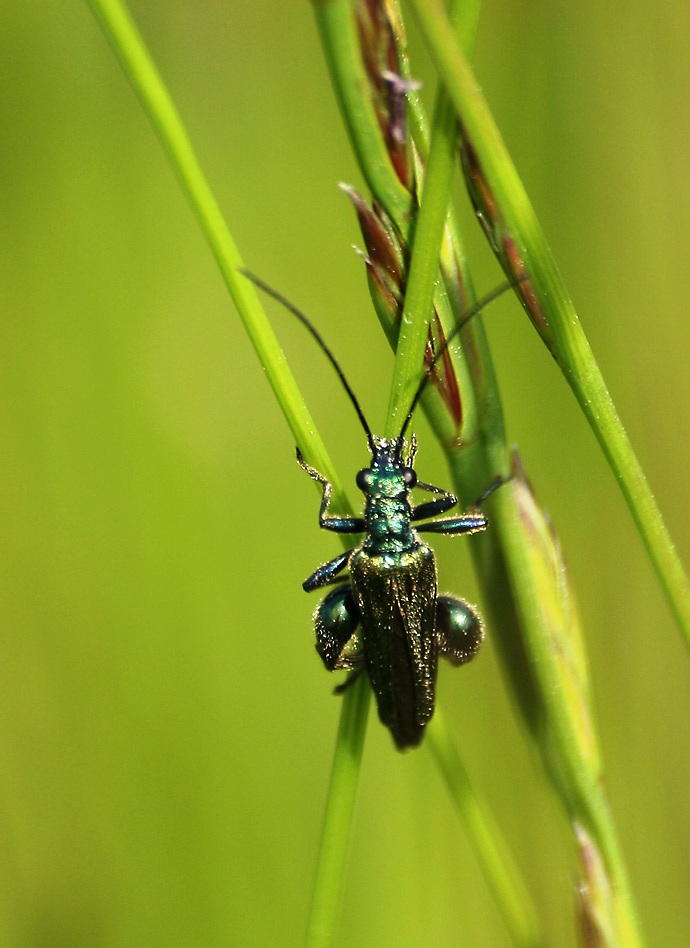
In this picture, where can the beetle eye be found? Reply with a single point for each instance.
(410, 477)
(363, 479)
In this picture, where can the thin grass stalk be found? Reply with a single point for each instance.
(335, 23)
(555, 701)
(568, 737)
(430, 223)
(494, 857)
(424, 267)
(338, 32)
(428, 229)
(521, 246)
(138, 65)
(336, 832)
(140, 69)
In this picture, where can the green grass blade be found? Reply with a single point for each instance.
(556, 699)
(423, 271)
(338, 31)
(495, 859)
(428, 237)
(554, 314)
(420, 291)
(136, 61)
(566, 730)
(335, 837)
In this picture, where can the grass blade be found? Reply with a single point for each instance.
(522, 247)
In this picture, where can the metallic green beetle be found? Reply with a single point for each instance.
(385, 615)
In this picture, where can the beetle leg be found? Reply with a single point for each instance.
(494, 485)
(459, 629)
(432, 508)
(337, 524)
(467, 523)
(327, 573)
(351, 679)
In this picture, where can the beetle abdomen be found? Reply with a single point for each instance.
(396, 596)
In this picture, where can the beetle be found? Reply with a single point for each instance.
(384, 614)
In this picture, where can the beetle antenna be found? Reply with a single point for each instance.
(470, 314)
(324, 348)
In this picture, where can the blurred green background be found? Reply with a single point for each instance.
(166, 728)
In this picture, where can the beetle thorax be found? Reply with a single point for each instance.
(387, 512)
